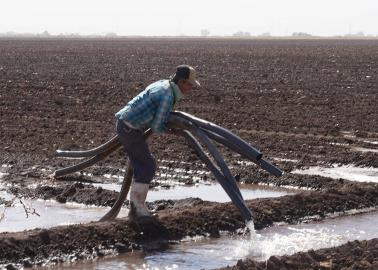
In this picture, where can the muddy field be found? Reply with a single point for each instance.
(303, 103)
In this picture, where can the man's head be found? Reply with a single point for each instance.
(185, 78)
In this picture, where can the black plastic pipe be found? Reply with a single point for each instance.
(227, 134)
(89, 153)
(232, 192)
(114, 211)
(227, 138)
(266, 165)
(87, 163)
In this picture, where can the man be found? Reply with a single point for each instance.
(149, 109)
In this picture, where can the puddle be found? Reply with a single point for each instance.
(213, 192)
(2, 174)
(286, 160)
(203, 253)
(370, 142)
(51, 213)
(357, 149)
(350, 135)
(350, 172)
(363, 149)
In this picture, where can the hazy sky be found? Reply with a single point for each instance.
(174, 17)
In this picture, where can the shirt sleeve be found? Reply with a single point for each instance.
(164, 107)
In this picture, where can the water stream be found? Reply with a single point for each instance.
(208, 192)
(204, 253)
(51, 213)
(199, 252)
(348, 172)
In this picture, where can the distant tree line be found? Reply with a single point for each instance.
(203, 33)
(46, 34)
(206, 33)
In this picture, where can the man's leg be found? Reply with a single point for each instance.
(143, 164)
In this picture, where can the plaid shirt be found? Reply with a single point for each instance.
(150, 108)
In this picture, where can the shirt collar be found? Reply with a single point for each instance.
(176, 91)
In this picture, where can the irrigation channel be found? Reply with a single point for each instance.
(52, 213)
(208, 253)
(201, 252)
(348, 172)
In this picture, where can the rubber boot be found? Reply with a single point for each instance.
(138, 208)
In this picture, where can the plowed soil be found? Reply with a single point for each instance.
(301, 102)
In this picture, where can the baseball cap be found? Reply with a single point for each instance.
(188, 73)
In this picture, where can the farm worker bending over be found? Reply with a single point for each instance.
(149, 109)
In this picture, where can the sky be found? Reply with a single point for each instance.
(174, 17)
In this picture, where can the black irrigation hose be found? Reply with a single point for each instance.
(230, 140)
(87, 163)
(114, 211)
(232, 192)
(226, 179)
(266, 165)
(217, 156)
(89, 153)
(227, 134)
(193, 142)
(269, 167)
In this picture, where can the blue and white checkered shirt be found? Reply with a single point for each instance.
(151, 107)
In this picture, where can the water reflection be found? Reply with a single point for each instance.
(208, 192)
(349, 172)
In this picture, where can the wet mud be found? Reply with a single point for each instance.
(176, 222)
(302, 103)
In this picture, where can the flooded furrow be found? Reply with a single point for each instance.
(49, 213)
(26, 214)
(209, 192)
(207, 253)
(203, 218)
(349, 172)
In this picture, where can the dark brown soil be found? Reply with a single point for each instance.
(177, 221)
(290, 99)
(312, 101)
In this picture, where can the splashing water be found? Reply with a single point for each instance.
(211, 253)
(252, 232)
(246, 246)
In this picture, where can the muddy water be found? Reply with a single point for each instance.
(208, 192)
(19, 214)
(350, 172)
(363, 149)
(2, 174)
(50, 213)
(203, 253)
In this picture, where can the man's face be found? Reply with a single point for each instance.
(185, 86)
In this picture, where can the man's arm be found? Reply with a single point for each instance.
(164, 107)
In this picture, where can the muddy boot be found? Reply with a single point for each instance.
(138, 209)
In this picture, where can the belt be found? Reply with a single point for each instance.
(129, 125)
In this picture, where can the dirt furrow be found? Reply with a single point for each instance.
(176, 222)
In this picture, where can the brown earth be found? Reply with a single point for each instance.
(185, 218)
(307, 100)
(289, 98)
